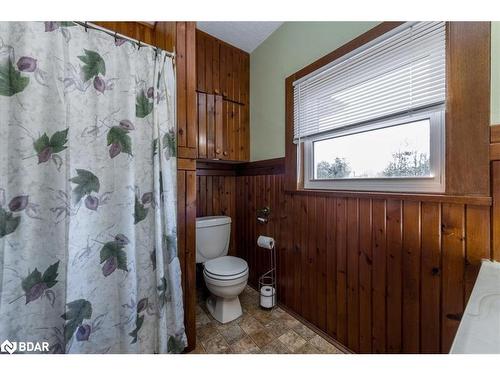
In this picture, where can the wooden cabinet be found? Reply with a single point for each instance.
(222, 86)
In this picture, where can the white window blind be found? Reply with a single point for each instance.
(401, 71)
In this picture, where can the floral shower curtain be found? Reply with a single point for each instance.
(88, 243)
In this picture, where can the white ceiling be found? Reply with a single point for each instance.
(244, 35)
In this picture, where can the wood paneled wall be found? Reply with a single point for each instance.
(378, 275)
(223, 76)
(179, 37)
(216, 196)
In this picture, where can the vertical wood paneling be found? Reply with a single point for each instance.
(191, 118)
(331, 269)
(431, 278)
(394, 274)
(320, 258)
(453, 248)
(181, 86)
(365, 275)
(378, 275)
(223, 72)
(202, 125)
(411, 277)
(341, 246)
(478, 244)
(352, 274)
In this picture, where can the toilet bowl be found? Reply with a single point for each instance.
(225, 276)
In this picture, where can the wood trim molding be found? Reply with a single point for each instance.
(262, 167)
(277, 167)
(467, 117)
(495, 133)
(437, 198)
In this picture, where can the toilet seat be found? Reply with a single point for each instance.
(226, 268)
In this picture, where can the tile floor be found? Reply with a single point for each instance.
(257, 331)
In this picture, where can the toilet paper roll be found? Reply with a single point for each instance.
(267, 297)
(265, 242)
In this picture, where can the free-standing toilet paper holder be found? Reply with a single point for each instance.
(267, 283)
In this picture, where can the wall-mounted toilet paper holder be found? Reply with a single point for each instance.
(263, 214)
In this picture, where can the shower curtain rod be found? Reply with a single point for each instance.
(88, 25)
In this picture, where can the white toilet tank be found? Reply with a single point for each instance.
(212, 237)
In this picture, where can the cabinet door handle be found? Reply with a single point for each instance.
(217, 151)
(225, 153)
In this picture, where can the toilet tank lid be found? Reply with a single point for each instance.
(212, 221)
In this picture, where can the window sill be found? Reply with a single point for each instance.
(477, 200)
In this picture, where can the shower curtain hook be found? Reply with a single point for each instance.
(116, 36)
(86, 27)
(139, 45)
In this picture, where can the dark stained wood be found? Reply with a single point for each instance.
(495, 133)
(453, 254)
(452, 199)
(495, 151)
(477, 245)
(379, 276)
(394, 242)
(211, 127)
(365, 275)
(203, 142)
(431, 278)
(411, 276)
(341, 247)
(352, 273)
(219, 127)
(216, 196)
(268, 167)
(468, 116)
(223, 73)
(378, 272)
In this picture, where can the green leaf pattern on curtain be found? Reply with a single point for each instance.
(88, 235)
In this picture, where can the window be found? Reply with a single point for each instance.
(374, 119)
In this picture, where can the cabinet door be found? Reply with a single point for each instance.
(207, 126)
(219, 127)
(244, 133)
(207, 63)
(202, 126)
(211, 132)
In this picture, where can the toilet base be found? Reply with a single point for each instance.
(224, 310)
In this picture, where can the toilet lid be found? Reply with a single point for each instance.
(226, 266)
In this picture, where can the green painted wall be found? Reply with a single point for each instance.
(291, 47)
(295, 45)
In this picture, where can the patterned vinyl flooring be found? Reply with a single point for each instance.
(257, 331)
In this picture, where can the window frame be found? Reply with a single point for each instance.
(432, 184)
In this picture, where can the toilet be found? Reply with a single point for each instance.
(225, 276)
